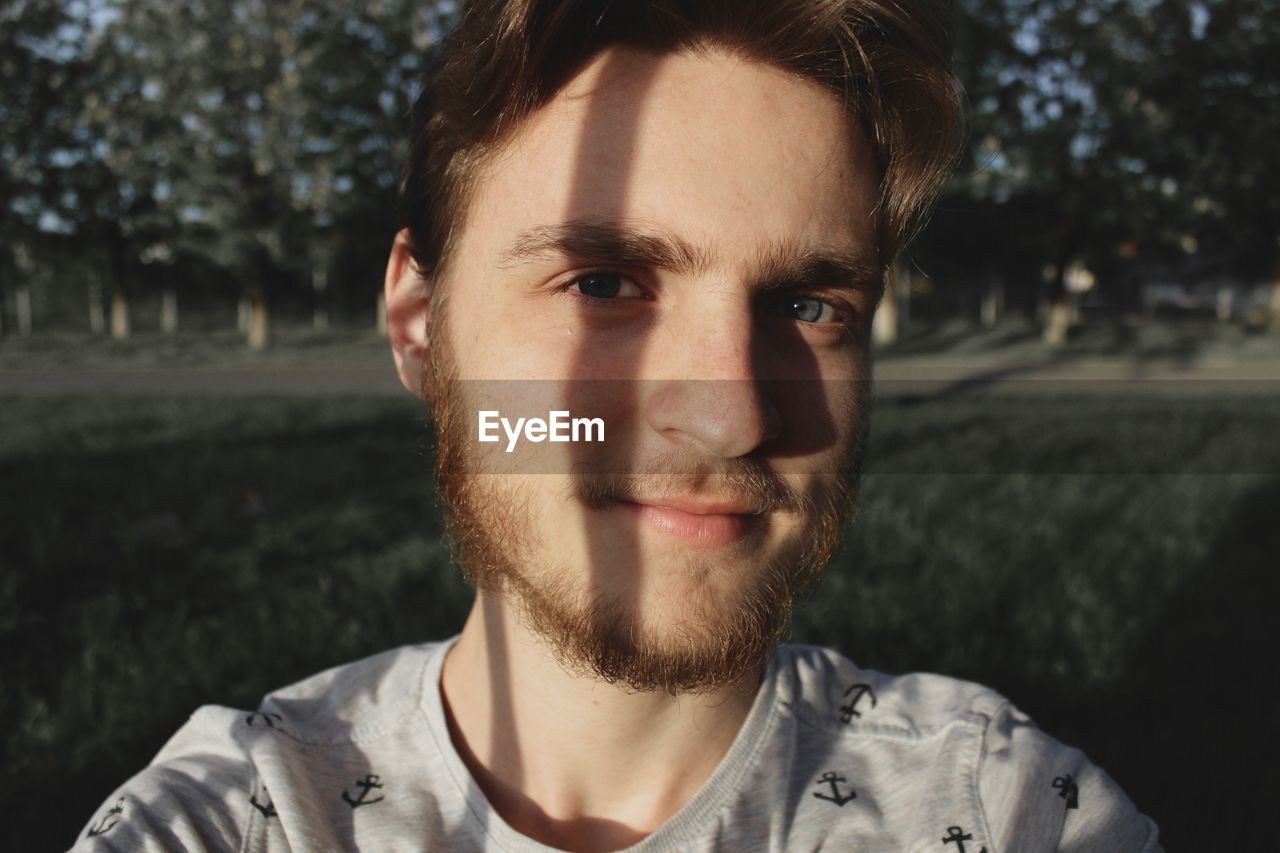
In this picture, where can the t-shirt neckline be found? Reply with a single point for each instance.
(675, 833)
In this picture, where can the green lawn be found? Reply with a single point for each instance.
(1111, 565)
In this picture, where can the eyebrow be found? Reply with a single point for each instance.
(777, 267)
(607, 240)
(783, 267)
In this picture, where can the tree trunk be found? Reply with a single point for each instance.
(903, 292)
(22, 304)
(1226, 306)
(97, 308)
(259, 329)
(244, 313)
(1273, 306)
(382, 313)
(1057, 323)
(118, 266)
(884, 325)
(119, 314)
(1057, 309)
(169, 310)
(993, 301)
(1057, 315)
(320, 289)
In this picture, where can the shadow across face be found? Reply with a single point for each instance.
(657, 250)
(730, 542)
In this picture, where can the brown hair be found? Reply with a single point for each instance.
(888, 60)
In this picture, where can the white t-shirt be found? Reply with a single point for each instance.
(830, 757)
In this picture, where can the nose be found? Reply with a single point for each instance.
(715, 399)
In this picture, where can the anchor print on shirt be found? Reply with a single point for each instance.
(850, 710)
(263, 719)
(367, 784)
(267, 807)
(833, 779)
(957, 836)
(1068, 790)
(109, 820)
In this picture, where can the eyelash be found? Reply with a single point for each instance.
(846, 315)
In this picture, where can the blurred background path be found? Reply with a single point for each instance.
(363, 367)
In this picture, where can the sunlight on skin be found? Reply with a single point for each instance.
(746, 165)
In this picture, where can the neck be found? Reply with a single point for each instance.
(566, 759)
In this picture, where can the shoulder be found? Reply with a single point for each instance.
(207, 787)
(351, 703)
(1034, 786)
(189, 797)
(830, 691)
(184, 799)
(1026, 789)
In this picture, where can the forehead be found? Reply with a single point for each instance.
(735, 156)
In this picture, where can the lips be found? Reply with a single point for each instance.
(701, 506)
(696, 521)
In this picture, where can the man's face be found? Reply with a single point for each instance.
(681, 246)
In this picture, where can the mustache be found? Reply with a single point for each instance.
(746, 481)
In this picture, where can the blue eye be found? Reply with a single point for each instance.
(808, 309)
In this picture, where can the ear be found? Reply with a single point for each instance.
(408, 297)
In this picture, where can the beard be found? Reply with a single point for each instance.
(719, 640)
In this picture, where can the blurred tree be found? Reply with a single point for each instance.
(264, 138)
(1038, 75)
(356, 133)
(229, 98)
(38, 53)
(131, 152)
(1224, 74)
(1113, 128)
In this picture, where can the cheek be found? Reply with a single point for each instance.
(850, 405)
(821, 421)
(493, 333)
(536, 337)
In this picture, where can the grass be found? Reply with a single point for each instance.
(1108, 564)
(290, 346)
(1187, 340)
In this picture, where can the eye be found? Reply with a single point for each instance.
(809, 309)
(606, 285)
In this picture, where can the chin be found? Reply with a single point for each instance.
(698, 625)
